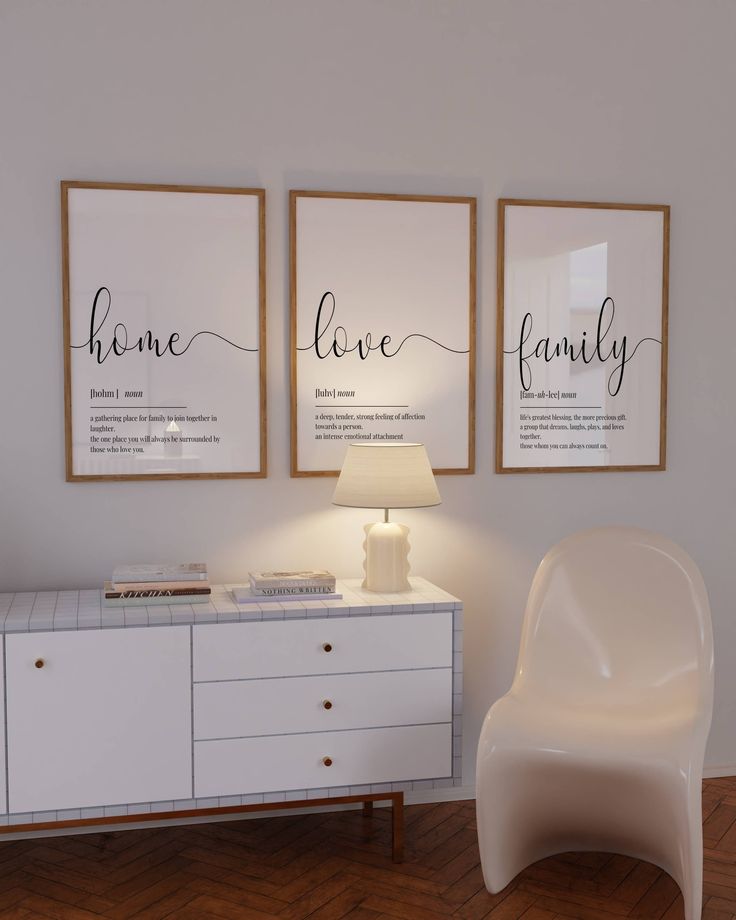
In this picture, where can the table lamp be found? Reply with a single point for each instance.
(380, 474)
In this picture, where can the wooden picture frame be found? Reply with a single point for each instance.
(164, 331)
(581, 354)
(372, 275)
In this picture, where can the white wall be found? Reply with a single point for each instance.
(629, 100)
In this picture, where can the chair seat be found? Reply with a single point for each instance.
(622, 732)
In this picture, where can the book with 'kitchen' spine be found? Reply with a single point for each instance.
(143, 591)
(153, 586)
(155, 601)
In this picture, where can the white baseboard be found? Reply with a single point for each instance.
(723, 770)
(451, 794)
(419, 797)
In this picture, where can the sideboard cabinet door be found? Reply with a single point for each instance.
(3, 790)
(98, 717)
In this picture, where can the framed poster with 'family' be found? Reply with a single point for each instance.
(382, 326)
(581, 372)
(164, 331)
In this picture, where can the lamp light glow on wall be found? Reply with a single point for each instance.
(381, 474)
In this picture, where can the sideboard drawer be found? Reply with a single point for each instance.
(233, 651)
(283, 762)
(278, 706)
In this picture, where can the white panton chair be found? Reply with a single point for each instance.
(599, 743)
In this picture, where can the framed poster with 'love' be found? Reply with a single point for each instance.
(382, 326)
(581, 371)
(164, 331)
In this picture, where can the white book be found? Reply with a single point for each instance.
(186, 571)
(308, 578)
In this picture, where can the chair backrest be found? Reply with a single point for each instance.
(618, 616)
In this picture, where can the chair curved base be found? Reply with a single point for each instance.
(599, 743)
(531, 805)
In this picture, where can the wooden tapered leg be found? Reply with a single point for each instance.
(397, 823)
(367, 809)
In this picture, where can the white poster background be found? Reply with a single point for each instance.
(174, 262)
(398, 268)
(560, 265)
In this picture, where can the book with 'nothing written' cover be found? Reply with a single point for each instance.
(244, 594)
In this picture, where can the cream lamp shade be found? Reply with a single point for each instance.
(381, 475)
(386, 475)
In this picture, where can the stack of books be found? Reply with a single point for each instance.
(145, 585)
(305, 585)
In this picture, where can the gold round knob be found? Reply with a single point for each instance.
(39, 662)
(327, 704)
(327, 647)
(327, 761)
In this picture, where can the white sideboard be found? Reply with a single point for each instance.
(122, 713)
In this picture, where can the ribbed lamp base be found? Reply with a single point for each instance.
(386, 557)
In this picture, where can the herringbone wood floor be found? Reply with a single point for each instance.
(338, 865)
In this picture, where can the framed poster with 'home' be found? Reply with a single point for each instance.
(164, 331)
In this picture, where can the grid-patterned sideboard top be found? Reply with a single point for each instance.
(63, 610)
